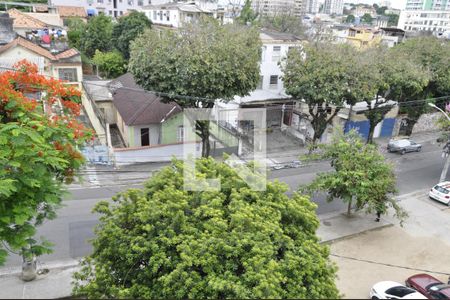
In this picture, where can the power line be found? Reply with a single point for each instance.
(388, 265)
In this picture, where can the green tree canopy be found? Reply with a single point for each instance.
(320, 75)
(360, 176)
(350, 19)
(198, 64)
(111, 64)
(37, 154)
(366, 18)
(433, 56)
(97, 35)
(247, 15)
(127, 29)
(76, 28)
(166, 242)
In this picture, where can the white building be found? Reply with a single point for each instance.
(175, 14)
(435, 21)
(427, 5)
(274, 7)
(113, 8)
(270, 91)
(335, 7)
(312, 6)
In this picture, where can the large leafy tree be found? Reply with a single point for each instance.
(384, 75)
(433, 56)
(76, 27)
(37, 154)
(361, 177)
(166, 242)
(127, 29)
(247, 14)
(197, 65)
(111, 64)
(319, 76)
(97, 35)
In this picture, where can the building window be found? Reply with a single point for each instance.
(180, 133)
(273, 81)
(140, 2)
(110, 12)
(160, 15)
(149, 2)
(260, 83)
(168, 15)
(154, 15)
(120, 1)
(276, 54)
(130, 2)
(69, 74)
(145, 137)
(121, 13)
(99, 1)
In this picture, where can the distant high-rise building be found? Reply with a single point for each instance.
(428, 5)
(426, 16)
(276, 7)
(333, 7)
(312, 6)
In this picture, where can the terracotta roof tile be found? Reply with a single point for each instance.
(71, 11)
(38, 49)
(22, 20)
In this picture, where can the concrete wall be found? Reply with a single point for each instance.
(125, 156)
(135, 132)
(426, 122)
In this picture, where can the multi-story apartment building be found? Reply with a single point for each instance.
(312, 6)
(426, 15)
(277, 7)
(113, 8)
(333, 7)
(427, 5)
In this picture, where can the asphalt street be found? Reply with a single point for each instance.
(73, 228)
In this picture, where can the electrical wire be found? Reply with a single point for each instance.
(388, 265)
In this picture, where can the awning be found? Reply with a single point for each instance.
(91, 11)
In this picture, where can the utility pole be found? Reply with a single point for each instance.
(447, 161)
(446, 147)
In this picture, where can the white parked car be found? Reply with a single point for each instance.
(393, 290)
(441, 192)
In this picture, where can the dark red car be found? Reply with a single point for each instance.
(429, 286)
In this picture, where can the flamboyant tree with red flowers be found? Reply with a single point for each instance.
(39, 135)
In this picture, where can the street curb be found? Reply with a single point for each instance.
(329, 242)
(52, 265)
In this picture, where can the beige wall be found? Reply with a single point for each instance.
(50, 69)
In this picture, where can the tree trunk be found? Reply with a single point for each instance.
(410, 126)
(202, 130)
(349, 207)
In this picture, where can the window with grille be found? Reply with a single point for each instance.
(68, 74)
(273, 84)
(276, 53)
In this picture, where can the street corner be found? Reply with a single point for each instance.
(390, 253)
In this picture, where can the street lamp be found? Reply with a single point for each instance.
(447, 162)
(434, 106)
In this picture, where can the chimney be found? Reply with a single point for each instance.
(7, 33)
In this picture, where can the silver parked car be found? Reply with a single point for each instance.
(403, 146)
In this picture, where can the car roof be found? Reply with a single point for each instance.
(415, 295)
(445, 184)
(423, 280)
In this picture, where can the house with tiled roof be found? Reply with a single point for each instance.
(142, 117)
(24, 23)
(65, 65)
